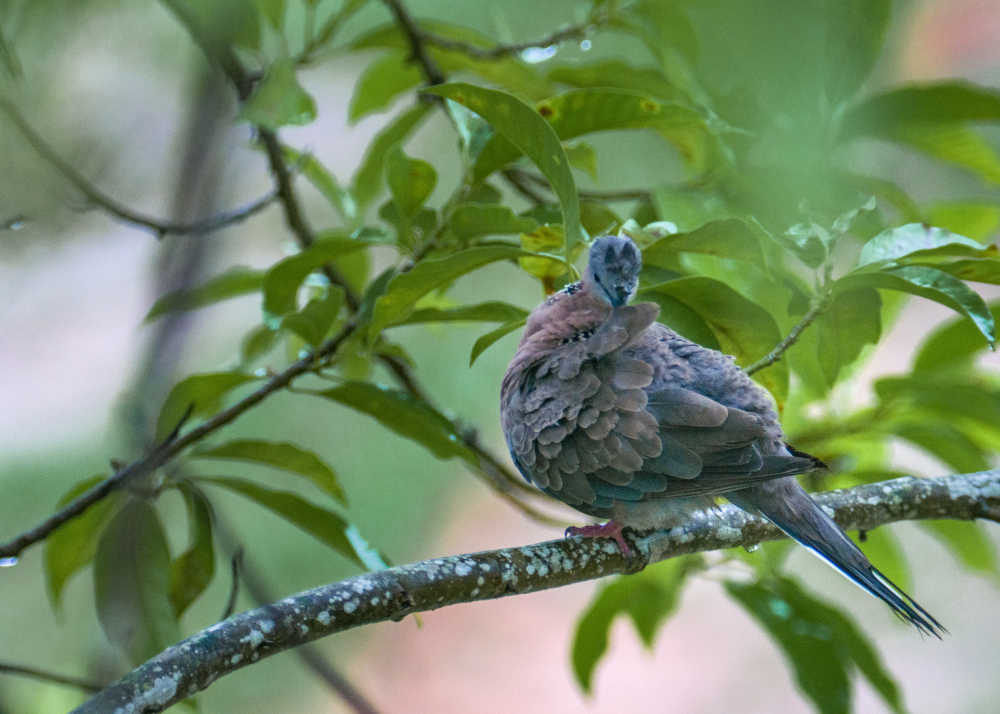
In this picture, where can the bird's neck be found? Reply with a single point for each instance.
(566, 314)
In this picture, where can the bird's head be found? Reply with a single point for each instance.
(613, 269)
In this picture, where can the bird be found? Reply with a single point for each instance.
(620, 417)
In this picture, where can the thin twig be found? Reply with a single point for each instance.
(158, 227)
(294, 215)
(517, 182)
(774, 355)
(394, 593)
(415, 38)
(85, 685)
(525, 177)
(172, 446)
(501, 51)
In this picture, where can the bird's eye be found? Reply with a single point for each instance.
(597, 278)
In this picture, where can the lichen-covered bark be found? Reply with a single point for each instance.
(392, 594)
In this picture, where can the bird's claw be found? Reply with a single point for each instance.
(611, 529)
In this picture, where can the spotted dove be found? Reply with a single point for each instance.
(622, 418)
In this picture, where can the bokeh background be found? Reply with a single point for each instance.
(110, 85)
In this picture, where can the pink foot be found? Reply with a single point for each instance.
(611, 529)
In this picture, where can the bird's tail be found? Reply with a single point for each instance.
(786, 504)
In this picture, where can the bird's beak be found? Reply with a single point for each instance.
(621, 294)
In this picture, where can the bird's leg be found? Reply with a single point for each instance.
(612, 529)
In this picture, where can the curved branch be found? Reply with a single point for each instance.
(392, 594)
(124, 213)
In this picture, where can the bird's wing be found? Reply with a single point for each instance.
(582, 426)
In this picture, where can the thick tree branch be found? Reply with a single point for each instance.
(157, 226)
(392, 594)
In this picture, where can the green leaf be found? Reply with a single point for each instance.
(507, 72)
(977, 270)
(410, 181)
(933, 102)
(818, 641)
(201, 392)
(915, 240)
(689, 209)
(233, 283)
(473, 133)
(409, 229)
(682, 319)
(598, 219)
(322, 524)
(544, 239)
(648, 598)
(855, 33)
(950, 396)
(381, 82)
(932, 118)
(329, 29)
(492, 311)
(968, 541)
(193, 570)
(256, 343)
(732, 238)
(605, 73)
(215, 26)
(132, 583)
(473, 220)
(403, 291)
(324, 182)
(930, 283)
(313, 322)
(976, 219)
(280, 455)
(283, 280)
(492, 336)
(887, 192)
(73, 544)
(525, 129)
(742, 328)
(584, 111)
(951, 346)
(851, 321)
(954, 143)
(582, 156)
(401, 413)
(367, 182)
(279, 100)
(943, 441)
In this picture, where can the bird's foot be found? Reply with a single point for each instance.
(612, 529)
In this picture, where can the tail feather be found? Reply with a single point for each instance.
(791, 509)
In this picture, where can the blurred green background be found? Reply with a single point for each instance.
(110, 84)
